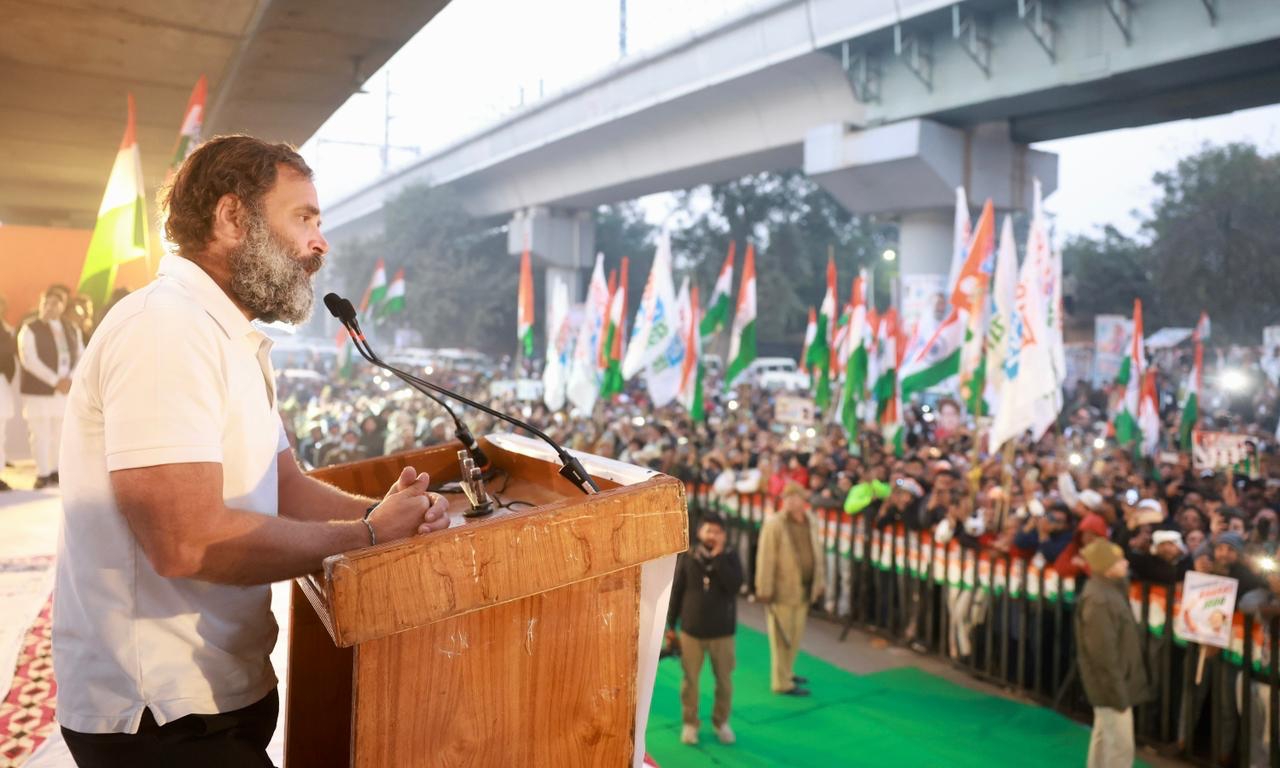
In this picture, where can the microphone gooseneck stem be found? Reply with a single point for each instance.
(571, 469)
(460, 429)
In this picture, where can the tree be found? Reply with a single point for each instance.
(1206, 245)
(1110, 273)
(1213, 236)
(792, 222)
(461, 282)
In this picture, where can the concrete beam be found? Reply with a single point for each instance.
(916, 165)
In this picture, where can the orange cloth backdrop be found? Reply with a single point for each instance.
(33, 258)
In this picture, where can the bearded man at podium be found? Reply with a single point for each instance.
(182, 501)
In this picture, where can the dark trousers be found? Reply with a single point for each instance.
(236, 738)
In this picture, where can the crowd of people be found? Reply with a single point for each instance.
(1044, 502)
(1053, 502)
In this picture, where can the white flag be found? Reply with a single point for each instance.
(656, 317)
(664, 375)
(559, 348)
(1029, 395)
(1000, 308)
(584, 370)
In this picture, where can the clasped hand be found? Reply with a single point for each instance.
(409, 508)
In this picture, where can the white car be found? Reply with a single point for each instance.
(773, 373)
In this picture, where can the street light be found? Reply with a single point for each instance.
(889, 254)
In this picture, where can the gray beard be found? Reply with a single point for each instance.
(270, 278)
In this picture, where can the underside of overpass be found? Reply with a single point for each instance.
(277, 69)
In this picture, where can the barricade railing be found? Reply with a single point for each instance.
(1009, 621)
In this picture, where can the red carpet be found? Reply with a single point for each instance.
(26, 715)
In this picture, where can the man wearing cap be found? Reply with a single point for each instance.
(1110, 656)
(789, 578)
(1166, 562)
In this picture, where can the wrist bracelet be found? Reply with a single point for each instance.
(369, 511)
(373, 538)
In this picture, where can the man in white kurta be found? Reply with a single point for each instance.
(48, 351)
(8, 382)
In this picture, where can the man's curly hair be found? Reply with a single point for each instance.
(239, 165)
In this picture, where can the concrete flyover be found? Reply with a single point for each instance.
(745, 96)
(276, 69)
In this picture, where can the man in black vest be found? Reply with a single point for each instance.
(48, 350)
(8, 380)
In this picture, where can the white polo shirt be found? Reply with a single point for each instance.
(175, 374)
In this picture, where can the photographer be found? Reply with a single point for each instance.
(704, 604)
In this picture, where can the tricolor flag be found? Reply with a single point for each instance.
(121, 233)
(395, 296)
(1149, 414)
(885, 387)
(1191, 397)
(612, 346)
(717, 315)
(192, 124)
(1047, 264)
(819, 355)
(1000, 309)
(969, 298)
(810, 333)
(858, 342)
(376, 293)
(524, 306)
(1130, 378)
(691, 375)
(742, 342)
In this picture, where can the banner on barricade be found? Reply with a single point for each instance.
(1217, 450)
(1208, 605)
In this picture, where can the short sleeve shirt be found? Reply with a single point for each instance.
(175, 374)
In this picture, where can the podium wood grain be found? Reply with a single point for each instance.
(508, 640)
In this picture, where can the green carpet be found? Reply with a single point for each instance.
(900, 717)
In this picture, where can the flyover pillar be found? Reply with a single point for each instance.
(562, 246)
(911, 170)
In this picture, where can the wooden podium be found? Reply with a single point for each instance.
(512, 639)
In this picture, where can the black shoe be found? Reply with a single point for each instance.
(41, 482)
(797, 691)
(4, 486)
(798, 680)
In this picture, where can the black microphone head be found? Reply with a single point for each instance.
(348, 311)
(334, 303)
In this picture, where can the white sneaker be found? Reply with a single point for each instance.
(689, 734)
(725, 734)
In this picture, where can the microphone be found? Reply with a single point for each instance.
(571, 469)
(346, 314)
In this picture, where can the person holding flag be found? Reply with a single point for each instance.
(1190, 418)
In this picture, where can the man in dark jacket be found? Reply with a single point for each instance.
(704, 603)
(1110, 656)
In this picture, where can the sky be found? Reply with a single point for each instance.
(1102, 178)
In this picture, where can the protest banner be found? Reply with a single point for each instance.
(1217, 450)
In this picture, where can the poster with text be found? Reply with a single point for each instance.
(1208, 603)
(1217, 450)
(793, 410)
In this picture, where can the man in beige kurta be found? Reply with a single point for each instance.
(789, 578)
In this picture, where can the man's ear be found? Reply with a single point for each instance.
(228, 219)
